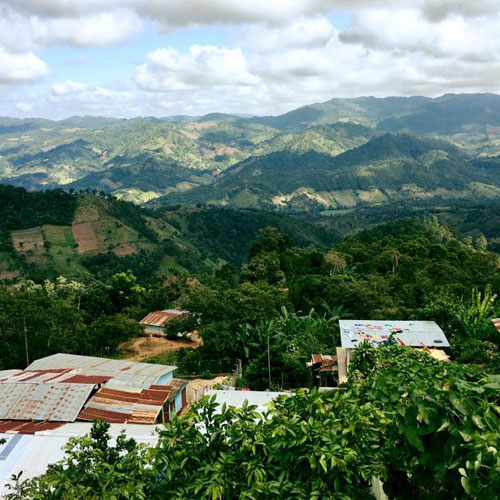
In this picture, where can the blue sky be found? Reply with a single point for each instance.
(161, 57)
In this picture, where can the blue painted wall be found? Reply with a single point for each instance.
(165, 378)
(178, 401)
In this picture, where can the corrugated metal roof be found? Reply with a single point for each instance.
(68, 376)
(496, 323)
(143, 374)
(161, 318)
(8, 373)
(21, 427)
(39, 402)
(411, 333)
(121, 403)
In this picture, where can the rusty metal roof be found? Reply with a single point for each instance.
(161, 318)
(122, 404)
(21, 427)
(57, 402)
(68, 376)
(142, 374)
(496, 323)
(328, 362)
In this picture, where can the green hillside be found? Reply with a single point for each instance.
(385, 169)
(45, 234)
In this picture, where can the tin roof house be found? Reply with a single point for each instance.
(65, 388)
(59, 396)
(418, 334)
(154, 323)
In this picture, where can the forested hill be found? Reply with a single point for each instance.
(45, 234)
(387, 168)
(143, 159)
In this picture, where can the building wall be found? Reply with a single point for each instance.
(165, 378)
(154, 330)
(178, 401)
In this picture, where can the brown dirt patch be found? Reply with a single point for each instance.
(125, 249)
(84, 235)
(28, 240)
(142, 348)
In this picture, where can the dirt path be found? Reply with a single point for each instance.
(141, 348)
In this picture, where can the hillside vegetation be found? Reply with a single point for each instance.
(385, 169)
(189, 159)
(52, 233)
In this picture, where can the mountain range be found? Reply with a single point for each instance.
(323, 157)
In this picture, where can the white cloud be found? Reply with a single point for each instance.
(99, 29)
(408, 30)
(281, 54)
(173, 13)
(168, 70)
(21, 68)
(301, 33)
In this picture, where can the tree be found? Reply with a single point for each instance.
(93, 469)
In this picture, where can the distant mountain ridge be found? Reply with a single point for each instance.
(182, 159)
(386, 168)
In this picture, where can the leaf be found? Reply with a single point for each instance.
(465, 484)
(411, 434)
(458, 404)
(478, 421)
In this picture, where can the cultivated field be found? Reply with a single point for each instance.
(28, 240)
(84, 236)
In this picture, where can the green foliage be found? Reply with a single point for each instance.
(93, 469)
(82, 317)
(443, 438)
(20, 209)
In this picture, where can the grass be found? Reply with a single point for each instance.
(168, 264)
(166, 358)
(59, 235)
(62, 249)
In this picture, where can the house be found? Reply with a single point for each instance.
(118, 369)
(59, 396)
(154, 323)
(376, 332)
(69, 388)
(324, 369)
(418, 334)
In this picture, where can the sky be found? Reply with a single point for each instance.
(127, 58)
